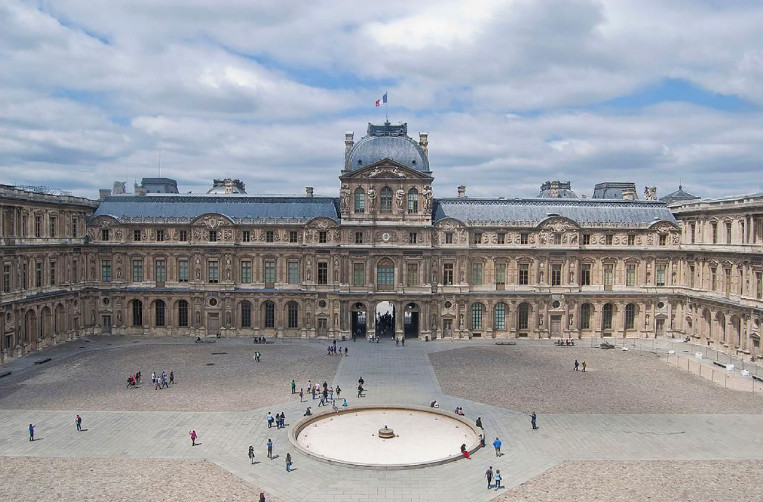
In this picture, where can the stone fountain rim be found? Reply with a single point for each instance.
(304, 422)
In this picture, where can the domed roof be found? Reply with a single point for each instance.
(557, 190)
(387, 141)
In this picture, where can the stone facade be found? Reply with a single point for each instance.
(304, 267)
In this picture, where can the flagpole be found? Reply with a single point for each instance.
(386, 108)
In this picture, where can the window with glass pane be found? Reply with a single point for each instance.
(38, 226)
(184, 235)
(358, 237)
(246, 271)
(182, 270)
(105, 270)
(608, 274)
(585, 274)
(660, 275)
(477, 316)
(105, 234)
(523, 317)
(691, 276)
(160, 235)
(137, 270)
(161, 270)
(213, 235)
(714, 230)
(447, 274)
(270, 271)
(246, 236)
(214, 271)
(727, 281)
(136, 235)
(322, 237)
(663, 240)
(501, 238)
(52, 226)
(75, 275)
(385, 200)
(360, 201)
(759, 287)
(557, 239)
(608, 239)
(556, 274)
(183, 314)
(586, 239)
(269, 236)
(246, 314)
(38, 274)
(6, 278)
(323, 272)
(713, 279)
(385, 275)
(477, 237)
(500, 273)
(630, 274)
(630, 316)
(728, 233)
(606, 320)
(585, 316)
(358, 274)
(524, 238)
(75, 228)
(631, 239)
(448, 237)
(412, 274)
(413, 237)
(293, 236)
(52, 273)
(270, 315)
(524, 274)
(137, 313)
(293, 314)
(24, 276)
(413, 200)
(499, 318)
(477, 273)
(159, 312)
(293, 266)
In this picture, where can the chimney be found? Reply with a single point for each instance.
(309, 191)
(629, 194)
(103, 193)
(424, 142)
(461, 191)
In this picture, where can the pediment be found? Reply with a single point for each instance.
(212, 220)
(558, 224)
(385, 169)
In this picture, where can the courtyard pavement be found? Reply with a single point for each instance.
(393, 375)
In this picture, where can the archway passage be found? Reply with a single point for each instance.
(411, 321)
(385, 319)
(359, 320)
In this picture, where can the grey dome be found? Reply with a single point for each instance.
(387, 142)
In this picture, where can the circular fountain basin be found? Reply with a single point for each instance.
(422, 436)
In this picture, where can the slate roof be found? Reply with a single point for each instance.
(184, 208)
(678, 195)
(387, 142)
(531, 212)
(612, 189)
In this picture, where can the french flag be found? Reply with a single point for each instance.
(382, 100)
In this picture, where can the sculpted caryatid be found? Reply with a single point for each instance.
(344, 201)
(399, 199)
(427, 199)
(371, 199)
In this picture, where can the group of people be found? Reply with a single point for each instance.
(279, 420)
(161, 381)
(332, 350)
(580, 366)
(260, 339)
(459, 411)
(567, 342)
(133, 380)
(77, 425)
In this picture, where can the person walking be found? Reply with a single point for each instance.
(31, 432)
(360, 390)
(172, 377)
(479, 423)
(497, 446)
(270, 420)
(270, 449)
(489, 476)
(532, 421)
(288, 462)
(251, 454)
(301, 395)
(338, 391)
(293, 387)
(345, 351)
(193, 437)
(498, 478)
(257, 356)
(583, 365)
(576, 365)
(78, 423)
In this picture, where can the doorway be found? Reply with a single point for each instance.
(556, 325)
(213, 324)
(106, 323)
(385, 319)
(659, 327)
(359, 320)
(411, 321)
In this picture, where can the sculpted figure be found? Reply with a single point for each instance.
(399, 199)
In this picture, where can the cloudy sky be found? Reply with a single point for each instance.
(512, 92)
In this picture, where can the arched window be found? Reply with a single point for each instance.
(499, 317)
(183, 313)
(360, 200)
(293, 314)
(585, 316)
(270, 314)
(385, 200)
(246, 314)
(385, 275)
(413, 201)
(159, 312)
(630, 316)
(606, 318)
(477, 310)
(137, 313)
(523, 319)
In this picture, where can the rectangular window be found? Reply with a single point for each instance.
(557, 239)
(477, 273)
(608, 275)
(213, 236)
(412, 274)
(413, 237)
(585, 274)
(270, 271)
(713, 279)
(52, 273)
(631, 240)
(75, 276)
(447, 274)
(182, 270)
(160, 267)
(24, 276)
(360, 201)
(759, 286)
(52, 226)
(691, 276)
(693, 232)
(213, 269)
(6, 278)
(714, 230)
(660, 275)
(728, 233)
(292, 236)
(105, 270)
(74, 227)
(608, 239)
(358, 237)
(727, 281)
(586, 239)
(663, 240)
(499, 317)
(293, 272)
(358, 274)
(269, 236)
(500, 273)
(630, 274)
(524, 274)
(160, 236)
(477, 237)
(137, 270)
(448, 237)
(523, 238)
(246, 272)
(322, 237)
(246, 236)
(104, 234)
(501, 238)
(323, 272)
(38, 226)
(184, 236)
(136, 234)
(556, 274)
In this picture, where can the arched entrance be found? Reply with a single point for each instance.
(411, 321)
(359, 320)
(385, 319)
